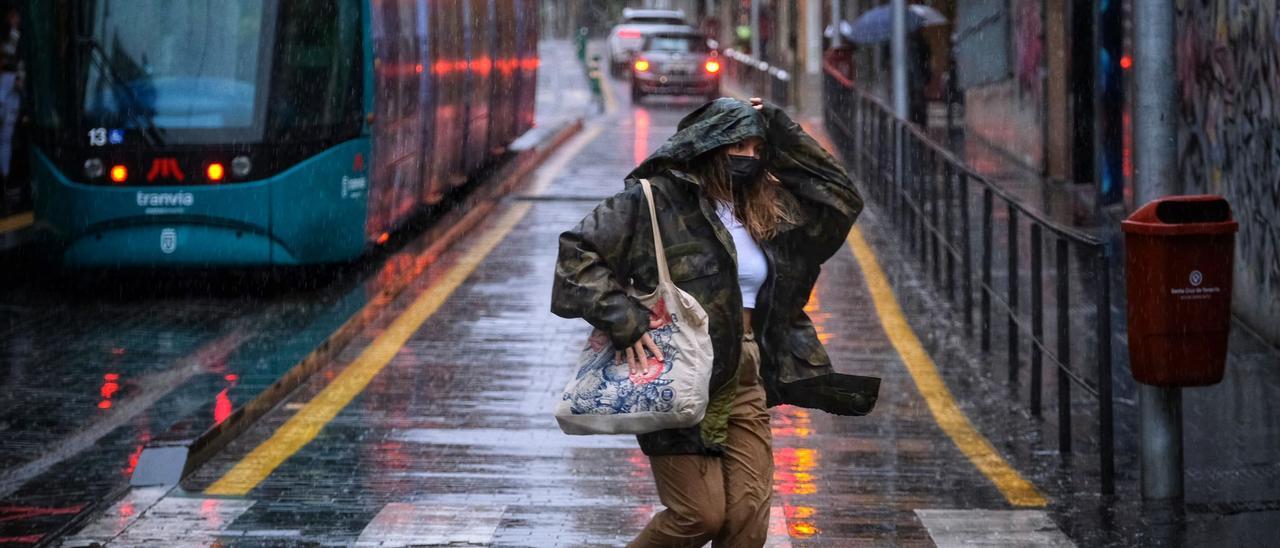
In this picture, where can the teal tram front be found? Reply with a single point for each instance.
(264, 132)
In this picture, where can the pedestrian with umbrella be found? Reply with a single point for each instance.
(875, 26)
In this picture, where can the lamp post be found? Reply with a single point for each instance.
(1155, 140)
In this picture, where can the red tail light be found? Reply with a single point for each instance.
(642, 65)
(628, 33)
(712, 66)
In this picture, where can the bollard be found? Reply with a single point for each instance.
(594, 79)
(581, 43)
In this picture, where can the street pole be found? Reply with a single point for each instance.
(1155, 175)
(812, 37)
(755, 30)
(837, 13)
(784, 55)
(1155, 136)
(898, 48)
(898, 66)
(1161, 411)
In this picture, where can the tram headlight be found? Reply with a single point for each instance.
(119, 173)
(93, 168)
(216, 172)
(240, 166)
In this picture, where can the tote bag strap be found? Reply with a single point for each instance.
(664, 275)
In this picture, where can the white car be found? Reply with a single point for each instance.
(628, 36)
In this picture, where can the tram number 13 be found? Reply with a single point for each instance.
(98, 137)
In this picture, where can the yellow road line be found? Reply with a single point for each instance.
(16, 222)
(1016, 489)
(304, 426)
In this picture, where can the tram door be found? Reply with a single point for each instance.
(479, 40)
(527, 54)
(502, 126)
(397, 124)
(448, 77)
(431, 189)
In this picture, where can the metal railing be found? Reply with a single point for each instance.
(929, 196)
(757, 77)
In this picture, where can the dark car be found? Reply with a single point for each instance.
(675, 63)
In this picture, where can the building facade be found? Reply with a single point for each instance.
(1046, 82)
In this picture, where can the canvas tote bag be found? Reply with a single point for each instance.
(604, 398)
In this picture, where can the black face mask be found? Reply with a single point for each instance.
(743, 170)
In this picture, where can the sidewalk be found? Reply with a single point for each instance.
(1231, 437)
(1231, 434)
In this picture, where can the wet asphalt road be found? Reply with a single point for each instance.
(95, 366)
(451, 441)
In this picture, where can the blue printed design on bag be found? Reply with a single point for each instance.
(606, 387)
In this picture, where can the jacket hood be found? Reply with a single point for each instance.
(718, 123)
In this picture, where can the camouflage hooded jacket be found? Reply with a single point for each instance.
(613, 246)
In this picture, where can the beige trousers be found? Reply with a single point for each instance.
(725, 499)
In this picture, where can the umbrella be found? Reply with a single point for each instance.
(876, 25)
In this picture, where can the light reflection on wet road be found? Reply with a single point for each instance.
(460, 418)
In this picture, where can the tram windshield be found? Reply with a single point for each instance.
(197, 71)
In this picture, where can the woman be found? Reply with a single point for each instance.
(749, 206)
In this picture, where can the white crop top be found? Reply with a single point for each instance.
(753, 267)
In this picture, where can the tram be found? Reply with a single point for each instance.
(264, 132)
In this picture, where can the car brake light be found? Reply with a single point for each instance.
(712, 67)
(628, 33)
(642, 65)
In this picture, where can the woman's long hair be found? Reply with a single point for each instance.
(758, 205)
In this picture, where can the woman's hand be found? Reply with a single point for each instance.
(636, 360)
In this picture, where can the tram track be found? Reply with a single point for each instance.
(149, 390)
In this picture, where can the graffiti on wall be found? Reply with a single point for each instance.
(1001, 61)
(1028, 47)
(1228, 63)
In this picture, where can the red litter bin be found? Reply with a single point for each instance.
(1178, 264)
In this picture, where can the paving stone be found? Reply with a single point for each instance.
(116, 519)
(960, 528)
(169, 521)
(405, 524)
